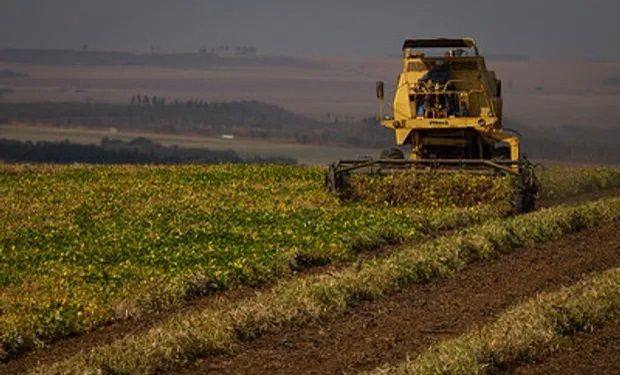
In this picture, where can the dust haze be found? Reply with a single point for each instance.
(539, 29)
(319, 59)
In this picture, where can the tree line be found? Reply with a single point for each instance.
(111, 151)
(199, 59)
(244, 119)
(257, 120)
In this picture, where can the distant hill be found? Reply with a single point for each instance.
(246, 119)
(5, 91)
(613, 81)
(257, 120)
(570, 143)
(10, 74)
(203, 59)
(506, 57)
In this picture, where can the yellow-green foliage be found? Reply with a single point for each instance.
(299, 300)
(460, 189)
(431, 190)
(84, 245)
(525, 331)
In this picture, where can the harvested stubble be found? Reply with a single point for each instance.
(524, 332)
(300, 300)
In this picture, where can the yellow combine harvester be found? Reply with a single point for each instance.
(448, 108)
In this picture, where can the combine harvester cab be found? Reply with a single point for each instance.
(447, 108)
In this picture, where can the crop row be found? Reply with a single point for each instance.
(461, 189)
(296, 301)
(81, 246)
(563, 182)
(524, 332)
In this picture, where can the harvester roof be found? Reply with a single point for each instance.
(439, 43)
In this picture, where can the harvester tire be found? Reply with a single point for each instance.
(393, 153)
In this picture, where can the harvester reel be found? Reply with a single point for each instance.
(526, 189)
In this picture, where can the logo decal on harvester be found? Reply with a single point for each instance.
(437, 122)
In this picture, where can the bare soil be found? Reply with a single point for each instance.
(69, 346)
(388, 330)
(587, 353)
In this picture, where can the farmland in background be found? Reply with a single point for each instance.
(303, 154)
(537, 93)
(324, 102)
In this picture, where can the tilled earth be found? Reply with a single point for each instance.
(388, 330)
(587, 353)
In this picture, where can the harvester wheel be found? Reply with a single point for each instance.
(392, 153)
(334, 181)
(527, 189)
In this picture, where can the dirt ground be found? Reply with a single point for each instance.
(587, 353)
(389, 330)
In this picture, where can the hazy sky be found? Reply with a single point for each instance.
(537, 28)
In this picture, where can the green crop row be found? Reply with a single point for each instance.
(81, 245)
(524, 332)
(296, 301)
